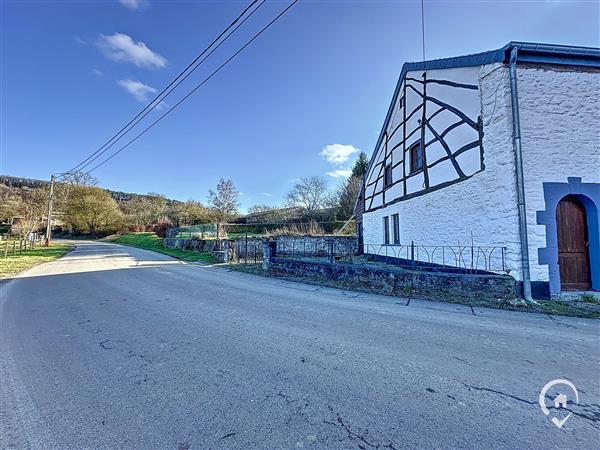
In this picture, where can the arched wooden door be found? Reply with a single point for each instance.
(573, 245)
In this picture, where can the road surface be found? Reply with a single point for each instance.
(115, 347)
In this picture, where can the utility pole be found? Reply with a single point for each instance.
(49, 223)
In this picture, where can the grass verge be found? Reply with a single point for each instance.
(150, 241)
(549, 307)
(17, 263)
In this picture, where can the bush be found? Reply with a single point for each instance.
(160, 228)
(136, 228)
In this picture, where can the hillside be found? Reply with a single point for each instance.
(10, 182)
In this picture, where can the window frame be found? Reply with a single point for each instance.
(386, 230)
(396, 228)
(412, 153)
(387, 176)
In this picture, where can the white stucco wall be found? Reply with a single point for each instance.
(560, 122)
(482, 208)
(560, 129)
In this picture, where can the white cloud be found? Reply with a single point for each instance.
(121, 48)
(338, 173)
(338, 153)
(97, 72)
(267, 194)
(131, 4)
(79, 40)
(138, 89)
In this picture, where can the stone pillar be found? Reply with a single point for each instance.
(269, 249)
(226, 251)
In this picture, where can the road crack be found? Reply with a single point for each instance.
(591, 411)
(353, 435)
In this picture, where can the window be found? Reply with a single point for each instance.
(396, 228)
(386, 230)
(416, 157)
(387, 176)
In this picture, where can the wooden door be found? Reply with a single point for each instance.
(573, 245)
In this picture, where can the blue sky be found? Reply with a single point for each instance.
(74, 72)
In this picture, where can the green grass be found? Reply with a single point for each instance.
(17, 263)
(150, 241)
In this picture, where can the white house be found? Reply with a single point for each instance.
(493, 156)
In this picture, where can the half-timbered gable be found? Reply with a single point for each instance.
(433, 137)
(497, 151)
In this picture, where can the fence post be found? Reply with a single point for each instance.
(472, 256)
(331, 257)
(269, 250)
(412, 253)
(226, 252)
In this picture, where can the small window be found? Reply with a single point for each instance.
(387, 176)
(386, 230)
(396, 228)
(416, 157)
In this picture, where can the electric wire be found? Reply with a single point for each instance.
(195, 88)
(170, 87)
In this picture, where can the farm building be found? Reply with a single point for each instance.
(497, 151)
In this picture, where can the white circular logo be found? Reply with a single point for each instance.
(560, 400)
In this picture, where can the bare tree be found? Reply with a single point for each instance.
(144, 210)
(225, 200)
(81, 179)
(191, 212)
(28, 211)
(309, 195)
(255, 209)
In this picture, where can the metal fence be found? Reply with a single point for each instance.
(466, 257)
(204, 231)
(246, 251)
(323, 247)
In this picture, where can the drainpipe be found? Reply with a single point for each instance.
(519, 176)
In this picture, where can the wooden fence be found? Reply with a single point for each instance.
(13, 247)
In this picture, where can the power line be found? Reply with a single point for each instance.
(423, 28)
(195, 88)
(172, 85)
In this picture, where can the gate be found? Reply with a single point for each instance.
(247, 250)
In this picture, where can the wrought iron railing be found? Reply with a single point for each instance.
(467, 257)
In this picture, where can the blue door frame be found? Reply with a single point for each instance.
(589, 195)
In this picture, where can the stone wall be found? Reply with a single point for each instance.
(480, 290)
(286, 245)
(316, 245)
(196, 245)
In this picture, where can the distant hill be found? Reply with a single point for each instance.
(8, 182)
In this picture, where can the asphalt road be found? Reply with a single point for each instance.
(115, 347)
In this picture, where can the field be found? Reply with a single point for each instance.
(150, 241)
(19, 262)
